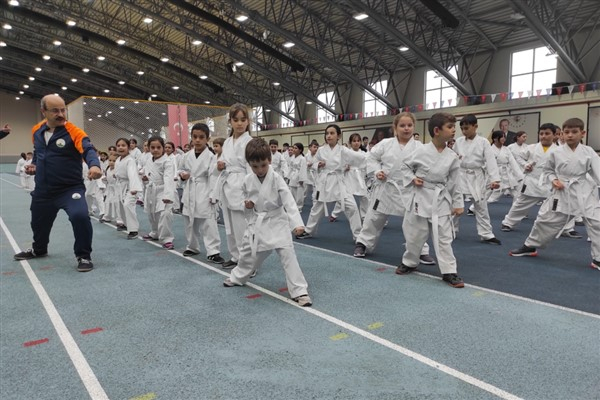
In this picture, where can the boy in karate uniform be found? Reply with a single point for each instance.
(272, 216)
(573, 169)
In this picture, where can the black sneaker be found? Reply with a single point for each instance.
(229, 264)
(84, 265)
(572, 235)
(523, 251)
(579, 223)
(492, 241)
(189, 253)
(471, 213)
(28, 255)
(403, 269)
(132, 235)
(595, 264)
(215, 258)
(304, 235)
(121, 228)
(360, 250)
(505, 228)
(453, 280)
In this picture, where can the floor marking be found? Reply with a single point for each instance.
(381, 269)
(46, 268)
(283, 289)
(254, 296)
(147, 396)
(84, 370)
(339, 336)
(9, 273)
(478, 293)
(35, 342)
(93, 330)
(374, 325)
(468, 285)
(14, 184)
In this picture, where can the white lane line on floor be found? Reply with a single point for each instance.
(14, 184)
(510, 295)
(367, 335)
(84, 370)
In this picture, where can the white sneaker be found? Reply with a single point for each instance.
(303, 301)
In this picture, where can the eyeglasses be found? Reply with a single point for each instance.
(57, 110)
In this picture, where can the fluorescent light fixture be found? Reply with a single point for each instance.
(121, 107)
(25, 86)
(147, 20)
(71, 23)
(207, 102)
(106, 91)
(2, 44)
(17, 98)
(101, 58)
(196, 42)
(403, 48)
(309, 102)
(21, 92)
(241, 18)
(276, 83)
(516, 16)
(175, 88)
(31, 78)
(13, 3)
(164, 59)
(57, 43)
(154, 95)
(267, 110)
(121, 82)
(73, 80)
(64, 88)
(46, 57)
(140, 73)
(121, 42)
(239, 64)
(360, 16)
(6, 26)
(38, 69)
(136, 102)
(147, 117)
(203, 77)
(86, 70)
(287, 45)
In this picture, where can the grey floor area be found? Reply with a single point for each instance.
(170, 330)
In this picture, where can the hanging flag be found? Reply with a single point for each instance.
(483, 97)
(442, 104)
(420, 107)
(581, 87)
(503, 96)
(493, 96)
(559, 90)
(449, 102)
(434, 104)
(178, 124)
(571, 87)
(529, 93)
(539, 92)
(466, 99)
(520, 94)
(548, 92)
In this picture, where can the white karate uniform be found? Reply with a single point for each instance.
(20, 170)
(111, 199)
(330, 188)
(269, 228)
(230, 192)
(511, 173)
(521, 153)
(478, 168)
(93, 192)
(198, 209)
(128, 180)
(579, 171)
(160, 186)
(430, 206)
(279, 164)
(297, 178)
(354, 180)
(389, 196)
(29, 179)
(532, 190)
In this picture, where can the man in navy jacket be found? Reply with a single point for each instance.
(59, 149)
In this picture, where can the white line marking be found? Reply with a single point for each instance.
(367, 335)
(84, 370)
(510, 295)
(14, 184)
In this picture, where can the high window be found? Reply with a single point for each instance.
(288, 107)
(438, 90)
(532, 70)
(258, 118)
(373, 106)
(322, 114)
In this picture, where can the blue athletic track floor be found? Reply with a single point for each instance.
(148, 323)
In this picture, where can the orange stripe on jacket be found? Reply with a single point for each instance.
(36, 127)
(77, 135)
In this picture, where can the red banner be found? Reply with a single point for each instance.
(178, 124)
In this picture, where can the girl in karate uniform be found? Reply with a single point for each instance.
(128, 185)
(297, 174)
(511, 173)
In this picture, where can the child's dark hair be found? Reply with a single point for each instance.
(133, 140)
(219, 140)
(314, 143)
(113, 148)
(237, 107)
(334, 126)
(573, 123)
(273, 142)
(286, 145)
(301, 147)
(497, 135)
(171, 144)
(548, 125)
(29, 153)
(352, 137)
(201, 127)
(157, 139)
(521, 133)
(127, 141)
(468, 119)
(257, 149)
(438, 120)
(23, 156)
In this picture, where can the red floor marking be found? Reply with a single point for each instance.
(46, 267)
(254, 296)
(9, 273)
(35, 342)
(93, 330)
(283, 289)
(381, 269)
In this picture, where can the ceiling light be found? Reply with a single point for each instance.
(2, 44)
(25, 86)
(241, 18)
(57, 43)
(203, 77)
(99, 116)
(0, 58)
(38, 69)
(360, 16)
(109, 112)
(106, 91)
(94, 98)
(121, 42)
(17, 98)
(164, 59)
(121, 82)
(147, 20)
(276, 83)
(140, 73)
(86, 70)
(403, 48)
(64, 88)
(46, 57)
(196, 42)
(121, 107)
(239, 64)
(207, 102)
(153, 95)
(101, 58)
(84, 103)
(6, 26)
(147, 117)
(31, 78)
(13, 3)
(21, 92)
(267, 110)
(287, 45)
(516, 16)
(73, 80)
(309, 102)
(136, 102)
(164, 113)
(175, 87)
(89, 119)
(71, 22)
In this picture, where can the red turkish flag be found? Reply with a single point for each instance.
(178, 124)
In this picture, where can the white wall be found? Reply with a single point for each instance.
(21, 115)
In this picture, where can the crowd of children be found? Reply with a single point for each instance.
(261, 191)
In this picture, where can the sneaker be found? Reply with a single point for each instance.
(453, 280)
(168, 246)
(572, 235)
(132, 235)
(121, 227)
(492, 241)
(471, 213)
(303, 301)
(403, 269)
(304, 235)
(595, 264)
(227, 283)
(103, 220)
(360, 250)
(84, 265)
(505, 228)
(148, 237)
(28, 255)
(426, 259)
(139, 203)
(524, 251)
(253, 274)
(229, 264)
(215, 258)
(579, 223)
(189, 253)
(332, 219)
